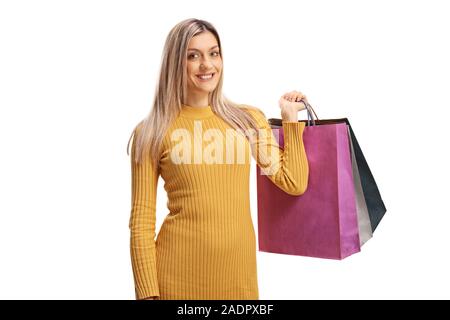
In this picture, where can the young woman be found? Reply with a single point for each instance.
(201, 144)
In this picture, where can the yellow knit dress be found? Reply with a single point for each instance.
(206, 247)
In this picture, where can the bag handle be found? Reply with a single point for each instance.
(310, 111)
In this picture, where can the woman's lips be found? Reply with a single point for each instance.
(207, 79)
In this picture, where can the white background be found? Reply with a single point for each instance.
(76, 76)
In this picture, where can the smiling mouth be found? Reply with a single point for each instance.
(205, 77)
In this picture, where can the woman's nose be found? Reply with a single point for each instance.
(206, 64)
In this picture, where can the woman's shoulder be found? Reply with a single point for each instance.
(254, 111)
(138, 128)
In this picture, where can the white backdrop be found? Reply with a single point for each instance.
(76, 76)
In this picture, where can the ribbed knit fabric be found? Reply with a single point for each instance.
(206, 247)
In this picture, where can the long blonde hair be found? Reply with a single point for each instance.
(171, 93)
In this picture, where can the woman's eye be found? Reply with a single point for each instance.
(193, 55)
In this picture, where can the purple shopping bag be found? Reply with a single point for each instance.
(323, 221)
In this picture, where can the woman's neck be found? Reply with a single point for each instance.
(200, 101)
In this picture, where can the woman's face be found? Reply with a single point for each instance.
(203, 58)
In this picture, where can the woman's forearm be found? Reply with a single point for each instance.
(290, 116)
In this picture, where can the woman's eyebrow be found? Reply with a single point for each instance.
(199, 50)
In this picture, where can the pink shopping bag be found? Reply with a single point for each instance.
(323, 221)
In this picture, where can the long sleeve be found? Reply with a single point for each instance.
(142, 226)
(286, 167)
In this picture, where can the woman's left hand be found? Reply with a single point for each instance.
(292, 102)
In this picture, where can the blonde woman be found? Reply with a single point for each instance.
(201, 144)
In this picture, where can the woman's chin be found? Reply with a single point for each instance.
(206, 89)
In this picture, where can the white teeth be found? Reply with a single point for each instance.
(205, 77)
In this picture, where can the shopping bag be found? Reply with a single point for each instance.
(323, 221)
(374, 203)
(364, 225)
